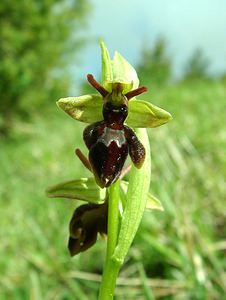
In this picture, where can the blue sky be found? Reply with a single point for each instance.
(128, 25)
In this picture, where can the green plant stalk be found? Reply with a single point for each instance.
(113, 218)
(111, 270)
(119, 242)
(112, 266)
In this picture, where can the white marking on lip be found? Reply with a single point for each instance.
(112, 135)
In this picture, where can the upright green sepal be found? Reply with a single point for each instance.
(107, 74)
(123, 72)
(117, 70)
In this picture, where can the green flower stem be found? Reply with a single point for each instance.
(109, 278)
(113, 218)
(119, 241)
(112, 266)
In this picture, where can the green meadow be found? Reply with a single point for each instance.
(177, 254)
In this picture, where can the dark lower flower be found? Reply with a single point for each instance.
(86, 222)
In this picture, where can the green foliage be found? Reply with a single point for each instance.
(155, 66)
(181, 249)
(197, 66)
(36, 40)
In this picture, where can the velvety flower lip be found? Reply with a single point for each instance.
(87, 221)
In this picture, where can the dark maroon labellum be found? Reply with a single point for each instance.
(87, 221)
(109, 141)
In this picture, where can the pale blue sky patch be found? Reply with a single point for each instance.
(126, 26)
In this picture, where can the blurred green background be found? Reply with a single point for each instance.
(178, 253)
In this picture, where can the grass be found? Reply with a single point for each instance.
(177, 254)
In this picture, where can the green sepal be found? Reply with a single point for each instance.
(123, 72)
(117, 70)
(107, 74)
(143, 114)
(152, 201)
(84, 189)
(88, 109)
